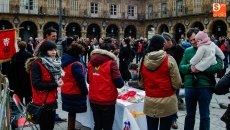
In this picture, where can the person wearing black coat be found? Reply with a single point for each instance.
(222, 88)
(125, 56)
(176, 51)
(20, 81)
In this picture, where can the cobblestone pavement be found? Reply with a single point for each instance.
(215, 113)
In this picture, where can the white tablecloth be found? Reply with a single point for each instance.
(122, 114)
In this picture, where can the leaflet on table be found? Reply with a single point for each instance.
(131, 95)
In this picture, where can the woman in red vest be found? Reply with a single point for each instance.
(46, 75)
(160, 77)
(74, 90)
(104, 79)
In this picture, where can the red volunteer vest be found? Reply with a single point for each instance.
(39, 96)
(70, 84)
(101, 86)
(158, 83)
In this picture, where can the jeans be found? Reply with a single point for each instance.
(47, 120)
(175, 116)
(203, 97)
(103, 116)
(227, 127)
(164, 123)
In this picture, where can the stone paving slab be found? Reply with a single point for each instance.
(215, 113)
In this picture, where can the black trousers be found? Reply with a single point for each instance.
(47, 119)
(103, 116)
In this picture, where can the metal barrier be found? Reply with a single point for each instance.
(4, 103)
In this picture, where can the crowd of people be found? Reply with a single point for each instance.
(158, 65)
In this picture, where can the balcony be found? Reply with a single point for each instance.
(164, 14)
(141, 17)
(206, 8)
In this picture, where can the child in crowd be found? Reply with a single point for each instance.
(206, 53)
(133, 82)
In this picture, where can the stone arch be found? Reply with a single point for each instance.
(93, 31)
(28, 29)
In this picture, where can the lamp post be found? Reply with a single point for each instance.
(59, 46)
(60, 20)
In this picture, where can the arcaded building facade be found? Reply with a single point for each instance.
(113, 18)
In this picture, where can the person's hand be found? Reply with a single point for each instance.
(60, 82)
(193, 69)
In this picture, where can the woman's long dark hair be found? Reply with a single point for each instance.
(75, 50)
(152, 47)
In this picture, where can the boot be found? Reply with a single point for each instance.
(71, 123)
(226, 117)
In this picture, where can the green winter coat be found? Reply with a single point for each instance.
(205, 78)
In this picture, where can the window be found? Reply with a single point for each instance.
(94, 8)
(52, 3)
(130, 10)
(197, 6)
(179, 5)
(4, 5)
(174, 6)
(150, 10)
(29, 4)
(113, 9)
(74, 5)
(164, 8)
(52, 7)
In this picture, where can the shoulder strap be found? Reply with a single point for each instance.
(45, 99)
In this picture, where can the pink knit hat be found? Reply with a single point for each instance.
(202, 37)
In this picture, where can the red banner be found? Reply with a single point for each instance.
(7, 44)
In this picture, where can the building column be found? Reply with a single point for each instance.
(83, 32)
(121, 34)
(40, 34)
(103, 33)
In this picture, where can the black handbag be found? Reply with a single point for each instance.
(226, 116)
(33, 111)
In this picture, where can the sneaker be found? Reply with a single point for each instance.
(174, 125)
(59, 119)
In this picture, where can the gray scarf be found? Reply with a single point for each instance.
(54, 66)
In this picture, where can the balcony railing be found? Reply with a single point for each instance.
(141, 17)
(68, 11)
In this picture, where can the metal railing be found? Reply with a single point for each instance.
(4, 103)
